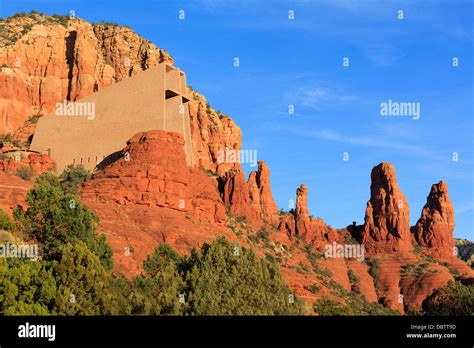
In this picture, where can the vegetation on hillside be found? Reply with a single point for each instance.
(454, 299)
(73, 275)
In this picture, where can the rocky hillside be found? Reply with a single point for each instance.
(49, 59)
(46, 59)
(150, 196)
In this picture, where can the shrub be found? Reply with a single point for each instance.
(454, 299)
(7, 138)
(73, 177)
(75, 283)
(356, 304)
(55, 217)
(374, 270)
(353, 278)
(25, 172)
(5, 222)
(212, 281)
(261, 235)
(312, 288)
(327, 306)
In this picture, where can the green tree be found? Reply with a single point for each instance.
(219, 279)
(225, 279)
(74, 282)
(326, 306)
(73, 177)
(453, 299)
(54, 218)
(26, 288)
(83, 285)
(6, 223)
(158, 291)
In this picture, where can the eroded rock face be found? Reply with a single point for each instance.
(261, 193)
(213, 134)
(435, 227)
(312, 230)
(13, 192)
(150, 196)
(47, 60)
(236, 197)
(153, 171)
(252, 199)
(36, 163)
(302, 220)
(387, 217)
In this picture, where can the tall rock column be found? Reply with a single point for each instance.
(387, 217)
(235, 194)
(435, 227)
(261, 193)
(302, 220)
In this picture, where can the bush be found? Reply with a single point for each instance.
(73, 177)
(54, 218)
(73, 284)
(353, 278)
(25, 172)
(312, 288)
(374, 270)
(454, 299)
(7, 138)
(327, 306)
(261, 235)
(6, 223)
(356, 304)
(214, 280)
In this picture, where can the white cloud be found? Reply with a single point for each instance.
(380, 139)
(313, 97)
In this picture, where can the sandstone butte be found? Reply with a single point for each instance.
(151, 196)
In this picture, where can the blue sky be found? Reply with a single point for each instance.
(337, 109)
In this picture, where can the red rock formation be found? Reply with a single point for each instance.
(261, 193)
(150, 196)
(48, 61)
(153, 172)
(435, 227)
(417, 288)
(37, 163)
(13, 192)
(287, 224)
(211, 134)
(312, 230)
(365, 283)
(387, 217)
(235, 194)
(302, 220)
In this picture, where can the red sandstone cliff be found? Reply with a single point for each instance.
(261, 195)
(150, 196)
(435, 227)
(48, 59)
(387, 217)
